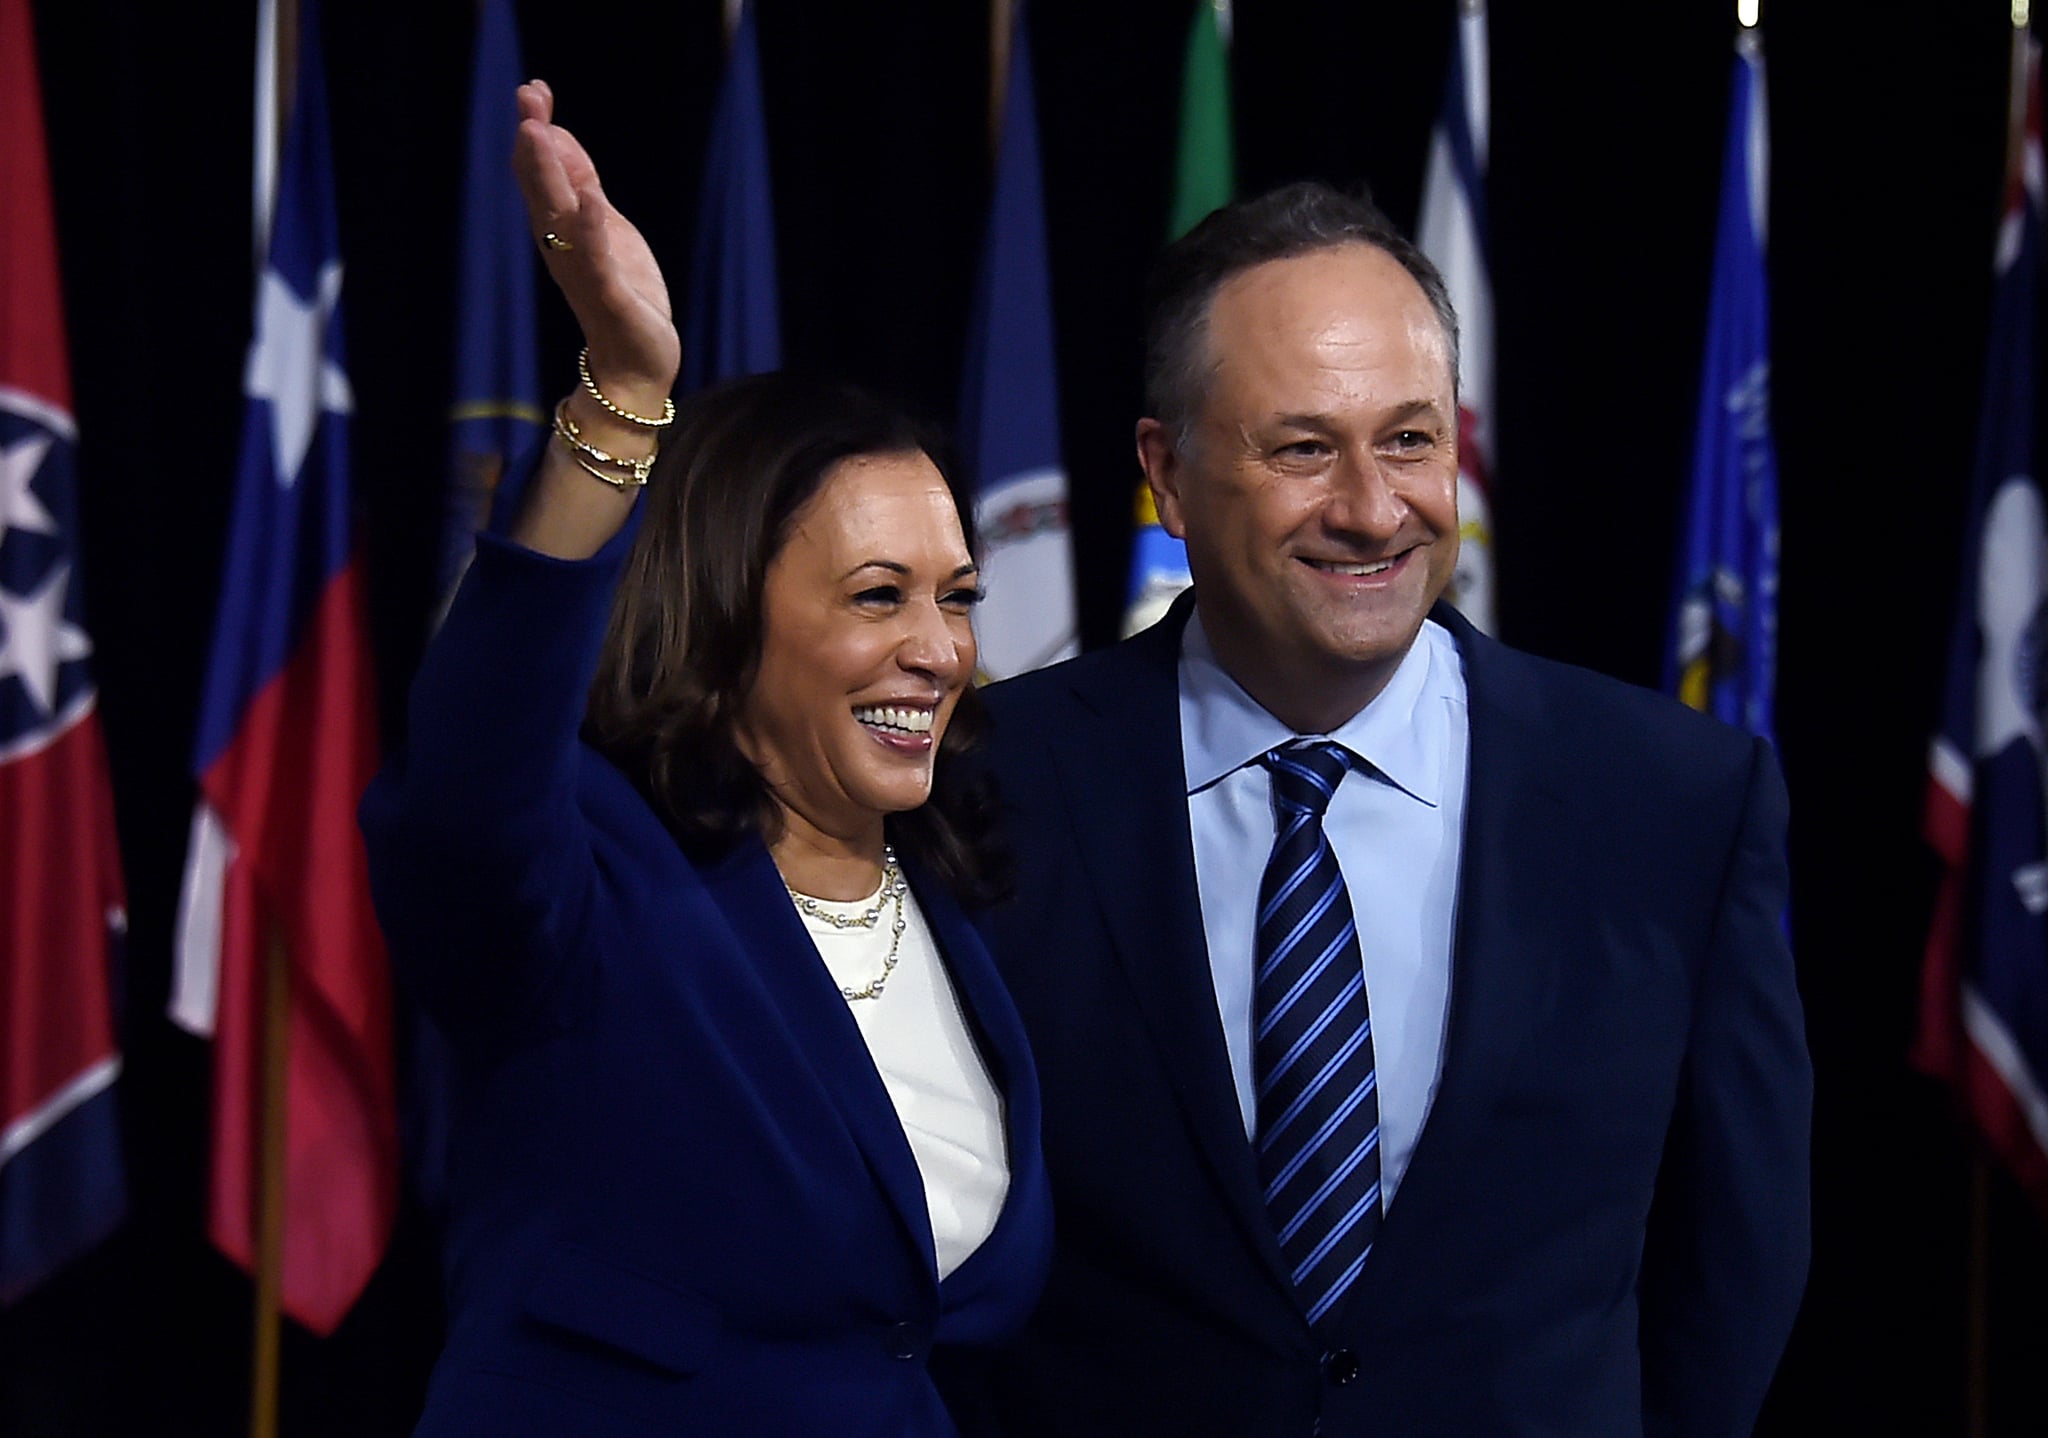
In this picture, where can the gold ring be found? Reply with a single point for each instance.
(556, 243)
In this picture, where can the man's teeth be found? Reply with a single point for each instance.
(888, 716)
(1356, 570)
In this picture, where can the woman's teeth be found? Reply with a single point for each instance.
(888, 716)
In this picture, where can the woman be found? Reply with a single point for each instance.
(746, 1123)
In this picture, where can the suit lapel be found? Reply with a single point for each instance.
(748, 889)
(1514, 876)
(1130, 800)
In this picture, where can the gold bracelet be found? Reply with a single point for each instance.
(616, 481)
(632, 472)
(668, 406)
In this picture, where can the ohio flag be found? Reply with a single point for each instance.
(1984, 986)
(1724, 647)
(286, 743)
(1454, 236)
(61, 909)
(733, 323)
(1009, 411)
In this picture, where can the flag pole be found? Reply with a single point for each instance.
(1001, 21)
(266, 1359)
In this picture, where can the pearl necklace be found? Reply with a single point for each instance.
(892, 891)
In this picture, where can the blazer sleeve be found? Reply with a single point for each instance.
(482, 862)
(1729, 1235)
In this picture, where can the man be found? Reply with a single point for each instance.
(1420, 1045)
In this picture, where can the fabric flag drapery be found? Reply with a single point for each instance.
(497, 422)
(1984, 986)
(1723, 656)
(1453, 235)
(61, 906)
(1009, 410)
(733, 323)
(286, 743)
(1205, 178)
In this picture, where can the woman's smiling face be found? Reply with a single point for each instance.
(866, 645)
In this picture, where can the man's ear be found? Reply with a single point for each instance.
(1160, 458)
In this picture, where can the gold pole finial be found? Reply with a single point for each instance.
(2019, 14)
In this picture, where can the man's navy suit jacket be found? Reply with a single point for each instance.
(1604, 1228)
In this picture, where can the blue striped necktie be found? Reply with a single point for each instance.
(1318, 1103)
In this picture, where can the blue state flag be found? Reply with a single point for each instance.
(733, 323)
(1009, 411)
(1724, 646)
(496, 418)
(1984, 985)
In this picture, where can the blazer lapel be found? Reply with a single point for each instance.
(748, 888)
(998, 1033)
(1128, 787)
(1513, 875)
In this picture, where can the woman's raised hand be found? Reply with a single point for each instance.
(600, 261)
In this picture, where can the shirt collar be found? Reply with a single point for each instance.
(1223, 728)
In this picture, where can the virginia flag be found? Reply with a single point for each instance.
(497, 420)
(1454, 237)
(1009, 411)
(1724, 648)
(286, 743)
(1984, 986)
(733, 325)
(1205, 178)
(61, 907)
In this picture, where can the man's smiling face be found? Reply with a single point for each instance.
(1317, 487)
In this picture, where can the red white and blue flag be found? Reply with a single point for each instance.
(1453, 234)
(1009, 409)
(286, 744)
(61, 907)
(1984, 988)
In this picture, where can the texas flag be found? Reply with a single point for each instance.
(1984, 987)
(61, 911)
(286, 743)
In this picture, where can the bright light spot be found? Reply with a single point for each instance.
(1745, 12)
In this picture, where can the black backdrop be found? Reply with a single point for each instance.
(1887, 124)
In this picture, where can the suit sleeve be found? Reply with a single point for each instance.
(481, 864)
(1729, 1236)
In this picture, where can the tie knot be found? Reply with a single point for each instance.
(1306, 773)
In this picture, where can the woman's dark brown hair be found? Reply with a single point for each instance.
(684, 644)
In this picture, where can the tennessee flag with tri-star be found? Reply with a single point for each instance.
(61, 906)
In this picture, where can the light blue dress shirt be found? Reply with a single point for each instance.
(1397, 829)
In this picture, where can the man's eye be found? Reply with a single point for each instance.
(1303, 449)
(1411, 439)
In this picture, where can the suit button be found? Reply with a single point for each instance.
(901, 1341)
(1340, 1366)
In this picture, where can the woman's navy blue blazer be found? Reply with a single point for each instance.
(680, 1199)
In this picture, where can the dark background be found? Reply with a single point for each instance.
(1887, 129)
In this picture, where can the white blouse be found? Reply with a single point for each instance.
(918, 1037)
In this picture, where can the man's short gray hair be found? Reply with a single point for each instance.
(1297, 219)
